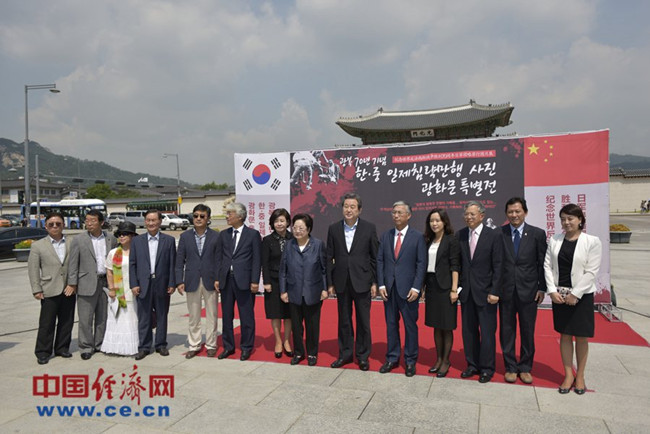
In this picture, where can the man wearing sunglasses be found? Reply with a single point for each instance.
(196, 272)
(48, 275)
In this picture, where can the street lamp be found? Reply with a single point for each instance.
(178, 181)
(52, 88)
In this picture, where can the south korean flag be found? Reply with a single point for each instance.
(262, 174)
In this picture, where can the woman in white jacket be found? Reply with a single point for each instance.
(571, 266)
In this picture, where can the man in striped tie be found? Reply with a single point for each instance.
(481, 259)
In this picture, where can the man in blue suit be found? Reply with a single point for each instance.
(196, 271)
(401, 268)
(152, 279)
(523, 288)
(239, 257)
(481, 258)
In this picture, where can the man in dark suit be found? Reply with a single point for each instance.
(401, 268)
(481, 251)
(351, 264)
(152, 279)
(196, 271)
(522, 289)
(48, 275)
(240, 262)
(87, 277)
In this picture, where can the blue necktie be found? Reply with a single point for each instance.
(517, 241)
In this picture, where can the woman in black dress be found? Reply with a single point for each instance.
(441, 286)
(570, 268)
(277, 311)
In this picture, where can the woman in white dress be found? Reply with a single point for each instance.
(122, 320)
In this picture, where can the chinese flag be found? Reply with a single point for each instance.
(571, 159)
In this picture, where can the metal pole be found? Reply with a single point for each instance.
(38, 193)
(178, 185)
(26, 196)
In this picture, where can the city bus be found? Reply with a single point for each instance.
(73, 211)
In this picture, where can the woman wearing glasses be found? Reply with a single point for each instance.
(121, 335)
(273, 246)
(303, 284)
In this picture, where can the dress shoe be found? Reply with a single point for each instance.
(225, 353)
(387, 367)
(141, 355)
(212, 352)
(43, 360)
(163, 351)
(311, 360)
(364, 365)
(245, 355)
(191, 353)
(510, 377)
(297, 359)
(86, 356)
(444, 368)
(65, 355)
(526, 377)
(484, 378)
(338, 363)
(469, 372)
(410, 369)
(564, 391)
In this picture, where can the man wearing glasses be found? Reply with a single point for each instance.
(48, 275)
(196, 272)
(87, 276)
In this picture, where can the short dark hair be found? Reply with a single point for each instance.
(354, 196)
(306, 218)
(153, 211)
(277, 213)
(576, 211)
(54, 214)
(429, 235)
(97, 213)
(203, 208)
(514, 200)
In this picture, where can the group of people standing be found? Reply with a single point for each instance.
(508, 270)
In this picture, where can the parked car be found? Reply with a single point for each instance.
(5, 223)
(13, 218)
(135, 217)
(172, 222)
(189, 217)
(115, 218)
(11, 236)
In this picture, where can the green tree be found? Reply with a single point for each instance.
(214, 186)
(99, 191)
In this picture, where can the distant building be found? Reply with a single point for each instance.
(461, 122)
(627, 188)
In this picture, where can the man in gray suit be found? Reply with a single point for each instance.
(48, 275)
(87, 275)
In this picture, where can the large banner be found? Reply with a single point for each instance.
(549, 171)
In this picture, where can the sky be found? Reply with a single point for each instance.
(209, 78)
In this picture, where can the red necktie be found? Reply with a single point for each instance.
(398, 244)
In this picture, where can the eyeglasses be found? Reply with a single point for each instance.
(54, 224)
(199, 216)
(124, 234)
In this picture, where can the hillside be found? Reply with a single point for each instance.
(629, 161)
(66, 168)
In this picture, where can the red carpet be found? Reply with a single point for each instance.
(547, 370)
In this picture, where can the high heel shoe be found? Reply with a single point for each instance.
(579, 391)
(278, 355)
(289, 353)
(435, 368)
(563, 391)
(443, 372)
